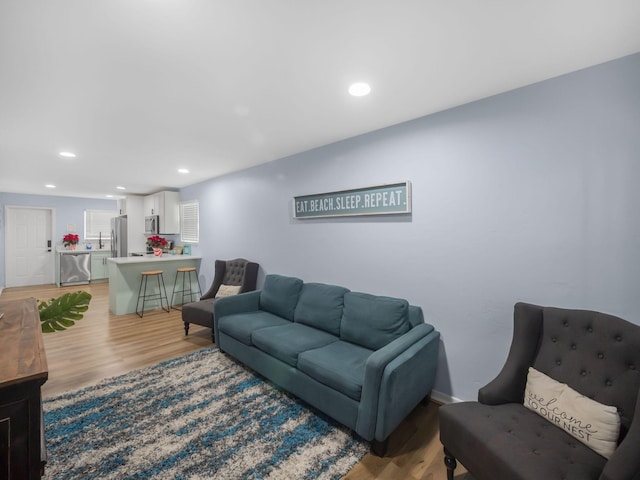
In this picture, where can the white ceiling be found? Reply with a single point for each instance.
(138, 88)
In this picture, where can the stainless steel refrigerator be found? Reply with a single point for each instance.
(119, 236)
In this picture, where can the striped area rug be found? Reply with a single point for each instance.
(200, 416)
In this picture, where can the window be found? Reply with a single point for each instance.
(189, 222)
(97, 223)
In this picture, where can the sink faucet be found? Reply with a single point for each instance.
(100, 244)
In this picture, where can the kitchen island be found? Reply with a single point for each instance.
(124, 277)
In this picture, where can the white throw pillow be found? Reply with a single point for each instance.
(592, 423)
(227, 290)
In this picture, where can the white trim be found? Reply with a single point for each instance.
(443, 398)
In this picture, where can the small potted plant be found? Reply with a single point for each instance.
(70, 240)
(157, 243)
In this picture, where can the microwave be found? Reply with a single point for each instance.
(152, 225)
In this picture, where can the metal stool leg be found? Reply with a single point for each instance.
(143, 296)
(197, 283)
(164, 289)
(190, 291)
(175, 284)
(143, 279)
(185, 290)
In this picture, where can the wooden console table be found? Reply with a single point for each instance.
(23, 370)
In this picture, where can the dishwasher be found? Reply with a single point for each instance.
(75, 267)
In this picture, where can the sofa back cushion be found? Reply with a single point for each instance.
(373, 321)
(416, 317)
(320, 306)
(280, 294)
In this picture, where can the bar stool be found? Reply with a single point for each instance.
(142, 295)
(187, 290)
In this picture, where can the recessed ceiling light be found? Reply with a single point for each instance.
(121, 188)
(49, 185)
(67, 154)
(359, 89)
(183, 170)
(109, 196)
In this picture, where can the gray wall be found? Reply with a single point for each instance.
(526, 196)
(67, 210)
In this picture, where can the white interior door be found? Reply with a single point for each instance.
(29, 252)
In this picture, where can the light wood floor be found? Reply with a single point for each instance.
(103, 345)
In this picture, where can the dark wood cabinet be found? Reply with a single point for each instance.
(23, 370)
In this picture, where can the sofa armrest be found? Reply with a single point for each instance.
(509, 385)
(398, 374)
(243, 302)
(624, 464)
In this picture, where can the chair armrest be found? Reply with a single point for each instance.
(208, 294)
(509, 385)
(397, 377)
(219, 269)
(624, 464)
(242, 302)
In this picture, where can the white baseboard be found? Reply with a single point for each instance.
(443, 398)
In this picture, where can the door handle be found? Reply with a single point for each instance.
(48, 245)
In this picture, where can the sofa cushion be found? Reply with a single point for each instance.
(339, 365)
(320, 306)
(286, 342)
(241, 325)
(279, 295)
(373, 321)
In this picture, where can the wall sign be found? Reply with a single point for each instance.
(387, 199)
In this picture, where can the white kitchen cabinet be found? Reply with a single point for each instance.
(122, 206)
(167, 206)
(151, 205)
(99, 270)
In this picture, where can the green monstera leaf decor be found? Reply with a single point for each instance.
(62, 312)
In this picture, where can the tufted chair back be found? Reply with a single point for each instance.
(233, 272)
(594, 353)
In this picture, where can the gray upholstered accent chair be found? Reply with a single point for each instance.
(497, 438)
(237, 272)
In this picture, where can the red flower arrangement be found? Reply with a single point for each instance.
(70, 239)
(156, 241)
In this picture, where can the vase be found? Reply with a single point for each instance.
(72, 246)
(157, 252)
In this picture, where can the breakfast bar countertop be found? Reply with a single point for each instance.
(151, 258)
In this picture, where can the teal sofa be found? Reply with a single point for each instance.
(364, 360)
